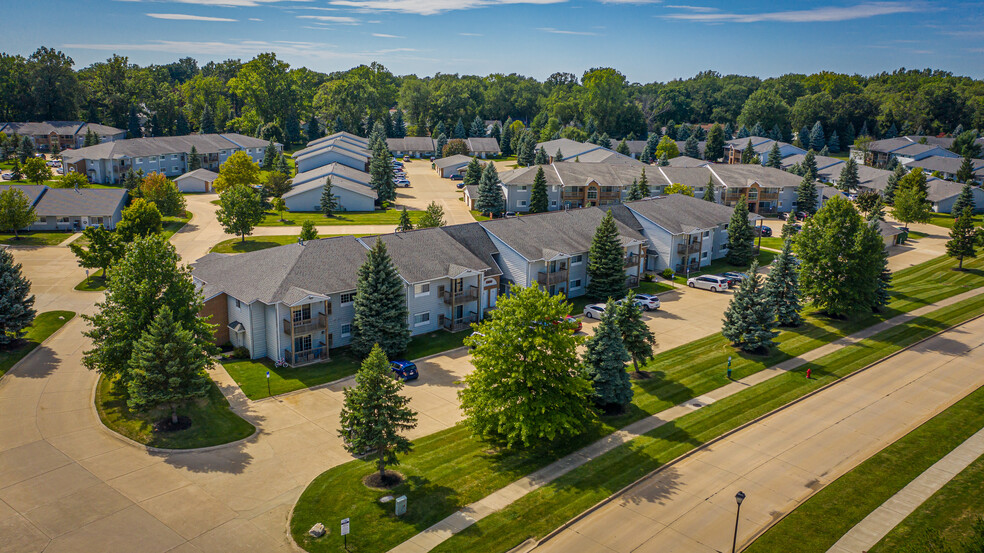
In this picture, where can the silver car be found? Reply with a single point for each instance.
(708, 282)
(594, 311)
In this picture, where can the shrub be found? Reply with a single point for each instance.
(667, 273)
(240, 353)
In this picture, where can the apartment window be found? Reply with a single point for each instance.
(522, 203)
(575, 284)
(302, 343)
(553, 203)
(346, 298)
(577, 259)
(139, 160)
(592, 193)
(780, 203)
(707, 233)
(238, 305)
(703, 255)
(175, 169)
(421, 319)
(303, 313)
(421, 290)
(174, 156)
(152, 158)
(346, 330)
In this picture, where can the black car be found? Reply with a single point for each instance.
(457, 177)
(784, 215)
(763, 231)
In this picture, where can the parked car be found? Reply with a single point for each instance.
(594, 310)
(802, 215)
(574, 323)
(763, 231)
(7, 176)
(404, 370)
(647, 302)
(739, 276)
(459, 185)
(509, 214)
(406, 158)
(713, 283)
(457, 177)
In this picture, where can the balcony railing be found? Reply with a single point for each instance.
(632, 260)
(685, 248)
(462, 323)
(303, 357)
(306, 326)
(632, 281)
(682, 268)
(466, 295)
(556, 277)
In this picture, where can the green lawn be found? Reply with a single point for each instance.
(655, 287)
(250, 374)
(212, 421)
(952, 511)
(840, 506)
(478, 216)
(438, 488)
(773, 242)
(297, 218)
(945, 220)
(173, 224)
(95, 283)
(721, 265)
(34, 239)
(252, 244)
(45, 324)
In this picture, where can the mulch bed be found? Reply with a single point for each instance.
(166, 425)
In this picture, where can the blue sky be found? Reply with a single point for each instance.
(645, 39)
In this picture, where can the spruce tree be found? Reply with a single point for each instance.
(709, 195)
(269, 156)
(782, 289)
(849, 180)
(339, 125)
(505, 142)
(775, 157)
(804, 138)
(825, 151)
(604, 361)
(749, 321)
(433, 216)
(181, 124)
(893, 182)
(16, 302)
(714, 148)
(740, 236)
(313, 129)
(849, 135)
(964, 200)
(375, 415)
(606, 262)
(329, 202)
(133, 129)
(652, 142)
(963, 238)
(527, 151)
(638, 338)
(477, 128)
(405, 223)
(623, 148)
(473, 173)
(817, 139)
(490, 197)
(381, 174)
(807, 196)
(206, 124)
(605, 141)
(559, 156)
(833, 143)
(194, 159)
(459, 130)
(439, 143)
(634, 192)
(748, 154)
(281, 166)
(966, 172)
(664, 160)
(538, 195)
(743, 132)
(690, 148)
(729, 131)
(167, 366)
(776, 133)
(399, 126)
(809, 165)
(380, 306)
(643, 184)
(308, 232)
(541, 157)
(758, 129)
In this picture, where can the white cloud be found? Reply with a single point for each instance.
(565, 32)
(219, 49)
(470, 34)
(255, 19)
(631, 1)
(340, 19)
(187, 17)
(704, 9)
(384, 35)
(222, 3)
(431, 7)
(815, 15)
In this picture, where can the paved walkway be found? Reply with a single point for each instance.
(469, 515)
(778, 462)
(890, 514)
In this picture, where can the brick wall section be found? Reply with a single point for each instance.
(217, 307)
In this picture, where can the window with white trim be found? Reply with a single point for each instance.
(577, 259)
(238, 304)
(575, 284)
(703, 255)
(421, 319)
(347, 297)
(553, 203)
(522, 188)
(421, 290)
(522, 203)
(346, 330)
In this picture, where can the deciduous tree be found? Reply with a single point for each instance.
(16, 211)
(237, 170)
(162, 192)
(240, 210)
(140, 219)
(102, 247)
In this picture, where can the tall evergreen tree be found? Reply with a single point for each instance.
(817, 139)
(269, 156)
(825, 152)
(782, 289)
(833, 142)
(898, 172)
(964, 200)
(804, 138)
(167, 366)
(743, 132)
(749, 321)
(966, 172)
(459, 130)
(505, 142)
(740, 235)
(690, 148)
(541, 157)
(729, 131)
(714, 147)
(634, 192)
(664, 160)
(439, 143)
(638, 338)
(339, 125)
(477, 128)
(758, 129)
(526, 155)
(559, 156)
(849, 135)
(623, 148)
(807, 197)
(605, 141)
(643, 184)
(380, 306)
(748, 154)
(206, 122)
(433, 216)
(776, 133)
(775, 157)
(606, 261)
(16, 302)
(473, 173)
(809, 165)
(281, 166)
(181, 127)
(963, 238)
(709, 193)
(538, 195)
(405, 223)
(399, 126)
(849, 179)
(490, 197)
(133, 129)
(156, 127)
(313, 129)
(381, 174)
(604, 363)
(194, 159)
(375, 415)
(329, 202)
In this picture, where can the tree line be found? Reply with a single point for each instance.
(265, 96)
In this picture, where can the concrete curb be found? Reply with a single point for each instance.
(45, 341)
(735, 430)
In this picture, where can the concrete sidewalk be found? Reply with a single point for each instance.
(890, 514)
(469, 515)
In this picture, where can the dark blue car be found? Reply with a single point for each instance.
(404, 370)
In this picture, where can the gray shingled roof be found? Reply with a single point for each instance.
(339, 145)
(160, 145)
(544, 235)
(335, 170)
(570, 173)
(32, 191)
(338, 178)
(685, 161)
(823, 162)
(568, 148)
(68, 202)
(739, 175)
(451, 161)
(680, 214)
(473, 237)
(486, 145)
(945, 164)
(202, 174)
(34, 128)
(346, 136)
(428, 254)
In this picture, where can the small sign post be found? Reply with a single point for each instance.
(268, 390)
(345, 532)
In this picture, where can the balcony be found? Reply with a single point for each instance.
(307, 356)
(544, 278)
(682, 269)
(306, 326)
(455, 325)
(631, 281)
(685, 248)
(632, 260)
(469, 294)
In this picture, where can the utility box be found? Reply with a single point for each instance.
(401, 505)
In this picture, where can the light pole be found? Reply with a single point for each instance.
(739, 497)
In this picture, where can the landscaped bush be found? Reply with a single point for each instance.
(648, 277)
(240, 353)
(667, 273)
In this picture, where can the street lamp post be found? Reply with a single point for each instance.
(739, 497)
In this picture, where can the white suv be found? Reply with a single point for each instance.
(646, 301)
(709, 282)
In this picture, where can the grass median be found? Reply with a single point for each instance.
(31, 239)
(378, 217)
(840, 505)
(212, 421)
(438, 488)
(256, 243)
(44, 325)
